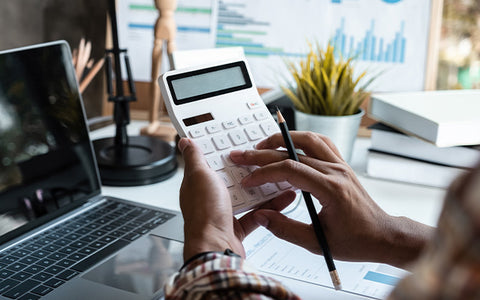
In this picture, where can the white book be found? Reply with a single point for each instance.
(445, 118)
(389, 140)
(397, 168)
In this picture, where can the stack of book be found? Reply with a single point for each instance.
(426, 138)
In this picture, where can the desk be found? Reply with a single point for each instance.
(419, 203)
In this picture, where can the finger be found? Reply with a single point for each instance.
(247, 224)
(192, 155)
(293, 231)
(265, 157)
(257, 157)
(313, 144)
(297, 174)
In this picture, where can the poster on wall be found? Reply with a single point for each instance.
(393, 43)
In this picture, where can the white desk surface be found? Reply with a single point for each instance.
(419, 203)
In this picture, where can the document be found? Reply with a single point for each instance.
(272, 255)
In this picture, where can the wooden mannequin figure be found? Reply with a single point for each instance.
(164, 31)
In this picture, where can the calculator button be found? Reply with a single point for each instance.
(283, 185)
(215, 163)
(268, 188)
(197, 132)
(212, 128)
(269, 128)
(254, 104)
(260, 115)
(253, 132)
(251, 194)
(237, 137)
(205, 145)
(229, 124)
(228, 161)
(246, 119)
(221, 142)
(226, 178)
(239, 173)
(236, 197)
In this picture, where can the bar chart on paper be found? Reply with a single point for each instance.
(274, 256)
(371, 47)
(389, 39)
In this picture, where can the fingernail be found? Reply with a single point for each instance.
(260, 219)
(236, 153)
(183, 143)
(259, 145)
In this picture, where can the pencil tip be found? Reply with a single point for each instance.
(337, 284)
(280, 116)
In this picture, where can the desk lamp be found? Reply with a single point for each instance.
(124, 160)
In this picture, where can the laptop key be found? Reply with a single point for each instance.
(131, 236)
(76, 256)
(54, 270)
(40, 253)
(34, 269)
(21, 289)
(8, 284)
(88, 238)
(66, 263)
(57, 256)
(16, 267)
(28, 260)
(5, 273)
(8, 260)
(42, 290)
(54, 282)
(107, 251)
(42, 276)
(29, 297)
(45, 262)
(67, 275)
(21, 276)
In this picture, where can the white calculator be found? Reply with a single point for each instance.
(218, 106)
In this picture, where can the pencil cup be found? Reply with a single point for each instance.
(342, 130)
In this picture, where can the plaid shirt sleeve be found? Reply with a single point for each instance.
(450, 266)
(218, 276)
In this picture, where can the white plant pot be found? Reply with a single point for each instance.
(342, 130)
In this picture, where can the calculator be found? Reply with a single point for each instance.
(218, 106)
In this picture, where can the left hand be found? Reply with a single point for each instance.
(207, 209)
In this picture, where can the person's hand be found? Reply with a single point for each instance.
(207, 209)
(356, 228)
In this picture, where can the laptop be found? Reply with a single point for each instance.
(60, 238)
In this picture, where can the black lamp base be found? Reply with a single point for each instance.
(144, 160)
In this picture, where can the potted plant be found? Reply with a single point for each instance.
(327, 96)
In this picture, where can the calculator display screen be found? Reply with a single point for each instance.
(209, 82)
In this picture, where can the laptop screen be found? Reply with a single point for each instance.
(46, 161)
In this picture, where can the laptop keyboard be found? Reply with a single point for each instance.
(35, 267)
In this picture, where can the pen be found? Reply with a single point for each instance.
(317, 227)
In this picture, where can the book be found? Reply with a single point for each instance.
(386, 139)
(444, 118)
(397, 168)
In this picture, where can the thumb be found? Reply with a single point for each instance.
(287, 229)
(192, 155)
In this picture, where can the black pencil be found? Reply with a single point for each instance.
(317, 227)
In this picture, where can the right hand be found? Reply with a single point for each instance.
(356, 228)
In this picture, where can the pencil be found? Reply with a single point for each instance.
(317, 227)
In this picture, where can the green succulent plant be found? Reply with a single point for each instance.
(324, 85)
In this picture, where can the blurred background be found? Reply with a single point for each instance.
(25, 22)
